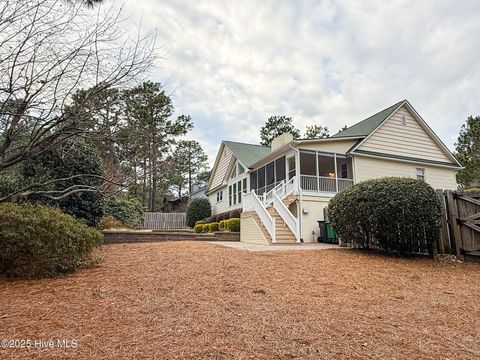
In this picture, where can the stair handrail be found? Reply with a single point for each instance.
(286, 215)
(265, 217)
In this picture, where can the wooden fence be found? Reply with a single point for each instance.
(460, 234)
(159, 221)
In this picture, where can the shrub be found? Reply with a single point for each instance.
(399, 215)
(222, 225)
(109, 222)
(234, 214)
(199, 222)
(198, 209)
(214, 226)
(198, 228)
(128, 212)
(63, 161)
(233, 225)
(206, 228)
(39, 241)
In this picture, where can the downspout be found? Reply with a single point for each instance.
(300, 205)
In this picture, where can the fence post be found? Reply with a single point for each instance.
(453, 215)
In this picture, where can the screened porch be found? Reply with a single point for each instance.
(322, 172)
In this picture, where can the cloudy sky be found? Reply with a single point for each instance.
(232, 64)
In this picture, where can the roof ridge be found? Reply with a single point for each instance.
(378, 112)
(361, 123)
(244, 143)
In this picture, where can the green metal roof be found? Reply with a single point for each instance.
(248, 154)
(365, 127)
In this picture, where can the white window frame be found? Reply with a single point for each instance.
(219, 196)
(423, 176)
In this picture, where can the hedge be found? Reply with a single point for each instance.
(400, 215)
(198, 228)
(198, 209)
(206, 228)
(42, 241)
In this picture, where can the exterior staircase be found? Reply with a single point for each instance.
(282, 233)
(272, 215)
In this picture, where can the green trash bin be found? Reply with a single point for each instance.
(331, 234)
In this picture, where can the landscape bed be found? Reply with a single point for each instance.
(199, 300)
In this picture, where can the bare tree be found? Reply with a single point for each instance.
(48, 50)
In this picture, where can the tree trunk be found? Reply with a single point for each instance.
(144, 192)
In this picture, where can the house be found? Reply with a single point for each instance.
(283, 190)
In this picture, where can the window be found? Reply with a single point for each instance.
(219, 196)
(403, 120)
(244, 187)
(420, 172)
(230, 195)
(240, 169)
(239, 192)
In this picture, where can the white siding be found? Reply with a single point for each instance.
(406, 140)
(338, 146)
(221, 168)
(370, 168)
(250, 232)
(315, 206)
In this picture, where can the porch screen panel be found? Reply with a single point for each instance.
(291, 167)
(261, 180)
(253, 181)
(326, 165)
(270, 171)
(280, 169)
(343, 171)
(308, 163)
(308, 171)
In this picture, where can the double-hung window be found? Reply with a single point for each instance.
(420, 173)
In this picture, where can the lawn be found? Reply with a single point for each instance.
(202, 301)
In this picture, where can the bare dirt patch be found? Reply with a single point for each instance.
(203, 301)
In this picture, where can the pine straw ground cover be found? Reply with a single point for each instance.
(204, 301)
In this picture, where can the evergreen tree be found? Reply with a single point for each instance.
(275, 126)
(316, 132)
(467, 151)
(190, 160)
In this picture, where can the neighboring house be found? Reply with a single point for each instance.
(283, 190)
(173, 203)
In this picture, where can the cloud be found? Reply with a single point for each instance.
(231, 64)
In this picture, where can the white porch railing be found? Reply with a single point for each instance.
(324, 184)
(287, 217)
(252, 202)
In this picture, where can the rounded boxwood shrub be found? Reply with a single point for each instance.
(42, 241)
(214, 226)
(206, 228)
(400, 215)
(198, 209)
(233, 224)
(199, 222)
(198, 228)
(222, 225)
